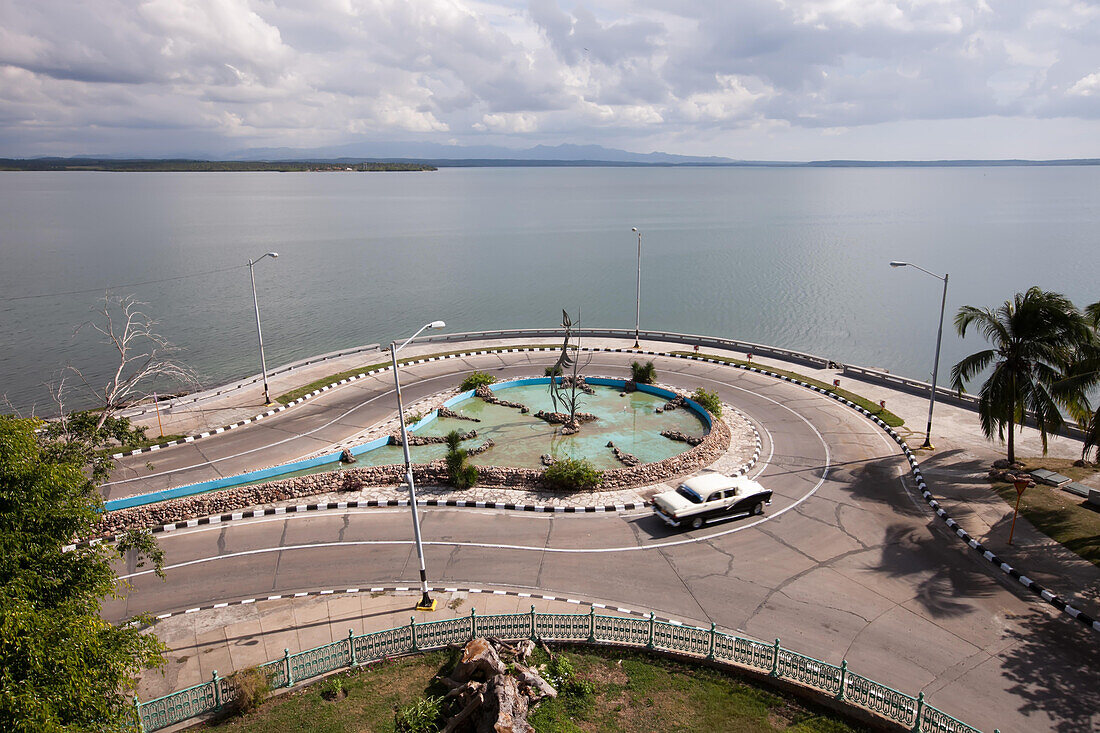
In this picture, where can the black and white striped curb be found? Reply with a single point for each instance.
(363, 375)
(369, 503)
(326, 388)
(409, 588)
(918, 476)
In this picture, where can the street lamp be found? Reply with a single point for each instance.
(259, 334)
(939, 338)
(638, 309)
(426, 603)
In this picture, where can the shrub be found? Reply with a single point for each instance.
(709, 400)
(474, 380)
(571, 474)
(552, 371)
(421, 716)
(462, 474)
(252, 687)
(643, 373)
(412, 418)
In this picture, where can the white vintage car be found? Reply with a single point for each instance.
(711, 498)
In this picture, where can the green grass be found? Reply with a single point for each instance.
(631, 692)
(330, 379)
(885, 415)
(1067, 519)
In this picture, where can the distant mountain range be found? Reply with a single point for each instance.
(440, 152)
(440, 155)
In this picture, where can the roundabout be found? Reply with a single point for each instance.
(848, 562)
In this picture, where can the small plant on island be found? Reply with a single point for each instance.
(474, 380)
(643, 373)
(572, 474)
(462, 474)
(709, 400)
(552, 371)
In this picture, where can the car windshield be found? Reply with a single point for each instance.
(689, 494)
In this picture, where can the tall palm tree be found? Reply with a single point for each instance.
(1035, 338)
(1085, 377)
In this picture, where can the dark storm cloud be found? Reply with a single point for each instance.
(308, 72)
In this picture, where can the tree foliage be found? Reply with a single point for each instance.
(1036, 338)
(62, 667)
(462, 474)
(643, 373)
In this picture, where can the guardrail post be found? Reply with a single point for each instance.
(710, 650)
(473, 622)
(920, 711)
(412, 627)
(591, 624)
(217, 690)
(843, 679)
(137, 712)
(649, 644)
(351, 648)
(534, 623)
(775, 658)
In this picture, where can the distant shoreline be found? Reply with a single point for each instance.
(176, 165)
(200, 166)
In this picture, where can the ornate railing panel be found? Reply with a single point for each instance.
(880, 699)
(435, 634)
(852, 688)
(620, 630)
(319, 660)
(561, 626)
(676, 638)
(935, 721)
(177, 706)
(809, 671)
(505, 625)
(745, 652)
(380, 644)
(276, 673)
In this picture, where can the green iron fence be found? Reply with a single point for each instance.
(737, 652)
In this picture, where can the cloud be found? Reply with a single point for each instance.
(659, 73)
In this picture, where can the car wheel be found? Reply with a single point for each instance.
(697, 523)
(758, 509)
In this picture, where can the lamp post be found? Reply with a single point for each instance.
(939, 339)
(426, 602)
(638, 308)
(259, 334)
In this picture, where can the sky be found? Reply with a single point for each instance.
(744, 79)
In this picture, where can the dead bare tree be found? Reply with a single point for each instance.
(142, 355)
(566, 383)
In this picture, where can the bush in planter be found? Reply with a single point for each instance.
(643, 373)
(572, 474)
(251, 687)
(709, 400)
(474, 380)
(462, 474)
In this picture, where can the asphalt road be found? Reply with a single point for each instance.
(847, 563)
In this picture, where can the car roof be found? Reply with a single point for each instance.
(707, 483)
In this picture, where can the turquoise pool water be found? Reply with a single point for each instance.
(630, 421)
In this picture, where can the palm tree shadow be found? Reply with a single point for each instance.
(1055, 668)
